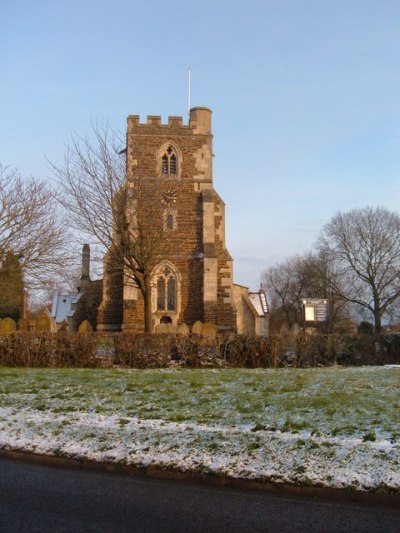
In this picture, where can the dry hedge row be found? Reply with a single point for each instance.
(166, 350)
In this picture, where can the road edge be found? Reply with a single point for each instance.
(309, 491)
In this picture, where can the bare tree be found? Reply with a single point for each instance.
(307, 276)
(31, 227)
(318, 275)
(363, 246)
(106, 207)
(284, 288)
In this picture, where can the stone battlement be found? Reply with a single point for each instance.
(155, 120)
(199, 120)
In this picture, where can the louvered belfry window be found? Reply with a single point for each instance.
(169, 161)
(170, 221)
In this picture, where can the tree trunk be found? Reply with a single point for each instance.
(378, 324)
(148, 315)
(377, 312)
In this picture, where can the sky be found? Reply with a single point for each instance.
(305, 98)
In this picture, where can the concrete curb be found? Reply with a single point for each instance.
(314, 492)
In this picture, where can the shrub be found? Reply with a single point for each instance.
(194, 351)
(365, 328)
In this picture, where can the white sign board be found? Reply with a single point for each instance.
(315, 310)
(309, 313)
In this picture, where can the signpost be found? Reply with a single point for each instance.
(315, 310)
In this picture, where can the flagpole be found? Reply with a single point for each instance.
(189, 104)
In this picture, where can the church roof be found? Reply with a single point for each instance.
(259, 301)
(62, 306)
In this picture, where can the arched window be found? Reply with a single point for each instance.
(161, 294)
(171, 294)
(169, 161)
(170, 219)
(166, 291)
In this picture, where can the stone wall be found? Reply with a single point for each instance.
(87, 305)
(110, 311)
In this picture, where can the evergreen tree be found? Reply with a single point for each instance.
(11, 285)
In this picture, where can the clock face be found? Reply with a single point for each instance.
(168, 197)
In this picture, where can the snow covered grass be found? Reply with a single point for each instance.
(337, 427)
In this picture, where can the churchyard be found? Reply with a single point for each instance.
(332, 427)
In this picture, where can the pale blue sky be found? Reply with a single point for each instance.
(305, 97)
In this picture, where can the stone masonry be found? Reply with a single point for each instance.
(170, 185)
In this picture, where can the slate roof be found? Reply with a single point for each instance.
(62, 306)
(259, 301)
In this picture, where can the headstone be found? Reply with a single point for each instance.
(165, 328)
(63, 326)
(284, 329)
(197, 327)
(7, 325)
(295, 329)
(183, 329)
(23, 324)
(45, 323)
(209, 330)
(85, 327)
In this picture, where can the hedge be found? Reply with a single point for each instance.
(97, 350)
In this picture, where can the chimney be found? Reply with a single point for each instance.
(85, 276)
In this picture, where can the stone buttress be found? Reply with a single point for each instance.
(172, 200)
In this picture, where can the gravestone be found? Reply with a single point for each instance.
(197, 327)
(85, 327)
(7, 326)
(183, 329)
(165, 328)
(209, 330)
(63, 326)
(44, 323)
(23, 324)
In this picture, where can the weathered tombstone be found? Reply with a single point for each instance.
(165, 328)
(23, 324)
(63, 326)
(183, 329)
(284, 329)
(197, 327)
(45, 323)
(209, 330)
(295, 329)
(85, 327)
(7, 326)
(159, 328)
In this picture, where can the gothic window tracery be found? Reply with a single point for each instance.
(166, 290)
(169, 161)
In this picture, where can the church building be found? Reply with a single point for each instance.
(169, 180)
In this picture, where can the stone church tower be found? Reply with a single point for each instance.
(170, 186)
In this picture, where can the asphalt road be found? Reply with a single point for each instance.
(38, 498)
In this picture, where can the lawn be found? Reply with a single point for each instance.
(337, 427)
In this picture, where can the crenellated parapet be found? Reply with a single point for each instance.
(155, 121)
(199, 122)
(173, 150)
